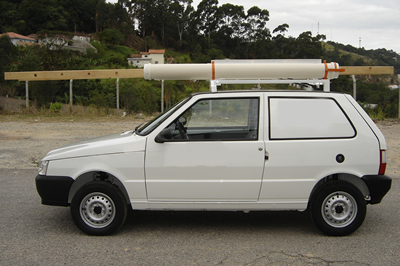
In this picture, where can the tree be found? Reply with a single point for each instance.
(42, 15)
(111, 36)
(101, 15)
(181, 11)
(279, 40)
(281, 29)
(232, 18)
(144, 15)
(80, 15)
(309, 47)
(9, 16)
(255, 32)
(256, 21)
(29, 58)
(8, 53)
(207, 18)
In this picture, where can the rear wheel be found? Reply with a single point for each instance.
(98, 208)
(338, 208)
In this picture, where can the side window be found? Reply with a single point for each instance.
(308, 118)
(218, 119)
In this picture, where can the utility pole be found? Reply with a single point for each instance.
(117, 94)
(70, 95)
(398, 79)
(27, 94)
(162, 96)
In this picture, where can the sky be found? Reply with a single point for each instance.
(377, 23)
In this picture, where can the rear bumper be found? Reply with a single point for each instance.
(54, 190)
(378, 186)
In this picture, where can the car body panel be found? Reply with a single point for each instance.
(265, 173)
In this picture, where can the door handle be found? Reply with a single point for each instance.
(266, 155)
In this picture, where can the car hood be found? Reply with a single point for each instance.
(117, 143)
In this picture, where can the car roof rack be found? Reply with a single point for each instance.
(303, 72)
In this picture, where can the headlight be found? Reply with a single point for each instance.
(43, 167)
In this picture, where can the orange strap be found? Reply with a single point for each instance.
(213, 70)
(336, 69)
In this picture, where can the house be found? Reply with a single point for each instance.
(153, 56)
(54, 42)
(139, 60)
(79, 42)
(81, 37)
(157, 56)
(20, 40)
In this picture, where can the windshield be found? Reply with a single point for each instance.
(150, 126)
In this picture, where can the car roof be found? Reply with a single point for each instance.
(263, 90)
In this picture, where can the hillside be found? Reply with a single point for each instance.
(349, 56)
(143, 96)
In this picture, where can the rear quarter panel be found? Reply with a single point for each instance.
(295, 166)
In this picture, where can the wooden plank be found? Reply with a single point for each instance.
(138, 73)
(367, 70)
(74, 74)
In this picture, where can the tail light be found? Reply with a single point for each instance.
(382, 166)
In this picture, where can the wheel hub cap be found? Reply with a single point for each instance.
(339, 209)
(97, 210)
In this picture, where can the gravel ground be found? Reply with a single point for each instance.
(25, 141)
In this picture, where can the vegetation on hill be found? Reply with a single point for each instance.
(190, 35)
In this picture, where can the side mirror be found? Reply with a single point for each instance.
(182, 120)
(164, 136)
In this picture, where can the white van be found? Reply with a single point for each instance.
(228, 151)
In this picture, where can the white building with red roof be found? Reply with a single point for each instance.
(153, 56)
(19, 40)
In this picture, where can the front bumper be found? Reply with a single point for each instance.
(378, 186)
(54, 190)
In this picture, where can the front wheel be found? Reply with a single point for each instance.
(338, 208)
(98, 208)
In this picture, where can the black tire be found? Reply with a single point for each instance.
(99, 208)
(338, 208)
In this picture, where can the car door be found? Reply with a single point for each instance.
(210, 152)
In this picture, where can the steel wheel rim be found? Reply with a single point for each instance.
(339, 209)
(97, 210)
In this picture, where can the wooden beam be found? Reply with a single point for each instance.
(367, 70)
(138, 73)
(74, 74)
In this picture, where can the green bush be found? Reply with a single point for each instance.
(377, 113)
(56, 107)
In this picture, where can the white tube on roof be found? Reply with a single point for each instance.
(297, 71)
(178, 71)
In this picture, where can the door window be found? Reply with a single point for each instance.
(217, 119)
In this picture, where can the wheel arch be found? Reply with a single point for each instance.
(352, 179)
(99, 176)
